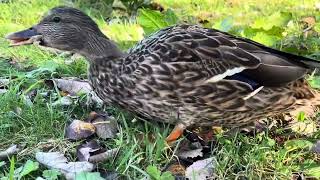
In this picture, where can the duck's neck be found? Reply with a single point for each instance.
(99, 46)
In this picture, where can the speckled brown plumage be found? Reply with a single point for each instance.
(184, 74)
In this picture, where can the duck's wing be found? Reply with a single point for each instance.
(275, 67)
(216, 55)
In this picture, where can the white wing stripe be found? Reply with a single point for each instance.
(228, 72)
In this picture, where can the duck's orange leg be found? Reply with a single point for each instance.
(176, 132)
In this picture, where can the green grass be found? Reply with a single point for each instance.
(41, 126)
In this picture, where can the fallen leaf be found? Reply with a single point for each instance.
(104, 156)
(84, 151)
(74, 87)
(202, 169)
(190, 154)
(189, 149)
(56, 160)
(14, 149)
(106, 126)
(79, 130)
(176, 169)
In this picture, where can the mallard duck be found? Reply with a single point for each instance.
(185, 75)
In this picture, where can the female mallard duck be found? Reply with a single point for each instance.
(184, 75)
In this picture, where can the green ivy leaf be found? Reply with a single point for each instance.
(277, 19)
(170, 17)
(265, 39)
(88, 176)
(51, 174)
(315, 82)
(167, 176)
(152, 21)
(295, 144)
(28, 167)
(154, 172)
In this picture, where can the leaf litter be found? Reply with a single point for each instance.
(106, 126)
(101, 124)
(56, 160)
(78, 130)
(75, 87)
(93, 152)
(12, 150)
(202, 169)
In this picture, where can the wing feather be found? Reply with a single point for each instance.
(216, 55)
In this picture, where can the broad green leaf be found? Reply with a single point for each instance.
(51, 174)
(277, 19)
(295, 144)
(170, 17)
(167, 176)
(88, 176)
(154, 172)
(152, 21)
(28, 167)
(265, 39)
(249, 32)
(315, 82)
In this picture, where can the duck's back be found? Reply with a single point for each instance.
(209, 77)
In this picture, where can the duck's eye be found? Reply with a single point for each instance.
(56, 19)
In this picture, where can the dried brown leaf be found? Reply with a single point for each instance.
(79, 130)
(106, 127)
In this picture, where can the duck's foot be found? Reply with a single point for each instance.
(175, 133)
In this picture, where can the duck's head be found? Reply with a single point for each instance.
(67, 29)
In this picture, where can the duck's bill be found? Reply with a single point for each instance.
(25, 37)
